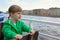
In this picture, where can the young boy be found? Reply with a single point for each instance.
(13, 27)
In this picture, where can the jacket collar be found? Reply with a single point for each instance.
(11, 23)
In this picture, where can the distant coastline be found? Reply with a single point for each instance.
(51, 12)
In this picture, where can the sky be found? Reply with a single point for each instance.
(29, 4)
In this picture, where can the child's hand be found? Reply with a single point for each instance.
(32, 32)
(18, 36)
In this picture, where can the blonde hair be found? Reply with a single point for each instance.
(14, 8)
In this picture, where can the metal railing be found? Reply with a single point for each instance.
(46, 22)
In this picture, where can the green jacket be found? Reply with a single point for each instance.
(10, 30)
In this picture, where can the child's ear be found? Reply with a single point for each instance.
(11, 13)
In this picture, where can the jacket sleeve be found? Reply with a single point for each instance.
(25, 27)
(6, 30)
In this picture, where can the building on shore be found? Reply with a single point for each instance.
(40, 12)
(27, 12)
(54, 12)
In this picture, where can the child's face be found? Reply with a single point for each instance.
(16, 15)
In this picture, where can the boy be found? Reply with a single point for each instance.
(13, 27)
